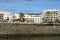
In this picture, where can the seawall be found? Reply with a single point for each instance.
(16, 28)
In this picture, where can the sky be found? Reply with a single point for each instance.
(28, 6)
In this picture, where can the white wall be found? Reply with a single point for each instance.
(35, 18)
(16, 16)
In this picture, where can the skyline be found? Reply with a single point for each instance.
(28, 6)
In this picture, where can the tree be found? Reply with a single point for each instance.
(21, 19)
(21, 15)
(57, 21)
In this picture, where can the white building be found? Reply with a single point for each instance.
(7, 15)
(16, 16)
(59, 14)
(35, 17)
(50, 15)
(44, 16)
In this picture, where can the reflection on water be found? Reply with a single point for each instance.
(35, 38)
(30, 37)
(43, 38)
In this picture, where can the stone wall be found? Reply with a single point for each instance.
(16, 28)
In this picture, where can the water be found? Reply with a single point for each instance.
(37, 38)
(31, 38)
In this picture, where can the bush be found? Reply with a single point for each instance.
(21, 19)
(57, 21)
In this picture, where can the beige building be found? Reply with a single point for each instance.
(50, 15)
(1, 17)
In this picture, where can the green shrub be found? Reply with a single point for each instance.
(21, 19)
(57, 21)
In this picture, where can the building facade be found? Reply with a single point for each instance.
(50, 16)
(1, 17)
(16, 16)
(59, 14)
(36, 18)
(6, 16)
(30, 18)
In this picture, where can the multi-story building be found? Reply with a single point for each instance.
(59, 14)
(50, 15)
(6, 16)
(1, 17)
(45, 17)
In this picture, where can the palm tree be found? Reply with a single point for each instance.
(21, 17)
